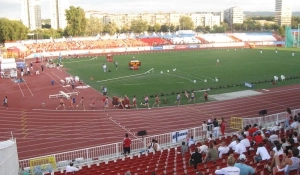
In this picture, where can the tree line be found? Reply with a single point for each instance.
(79, 25)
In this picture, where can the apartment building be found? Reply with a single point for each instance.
(234, 15)
(283, 12)
(31, 14)
(58, 13)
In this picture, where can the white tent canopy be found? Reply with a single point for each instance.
(8, 63)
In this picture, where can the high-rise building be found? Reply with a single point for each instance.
(31, 14)
(234, 15)
(283, 12)
(58, 13)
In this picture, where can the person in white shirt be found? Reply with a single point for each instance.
(233, 144)
(70, 168)
(223, 149)
(273, 137)
(294, 125)
(203, 148)
(275, 127)
(245, 141)
(277, 150)
(261, 153)
(191, 141)
(104, 67)
(295, 136)
(240, 147)
(230, 169)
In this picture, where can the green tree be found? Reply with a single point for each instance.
(164, 28)
(93, 26)
(110, 28)
(138, 26)
(156, 27)
(172, 28)
(186, 23)
(281, 31)
(199, 29)
(76, 21)
(11, 30)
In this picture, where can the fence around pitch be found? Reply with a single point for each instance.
(114, 150)
(269, 119)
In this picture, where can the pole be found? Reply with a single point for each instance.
(298, 41)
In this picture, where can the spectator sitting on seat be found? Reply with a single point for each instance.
(290, 141)
(283, 143)
(196, 158)
(191, 141)
(210, 138)
(240, 147)
(203, 148)
(261, 153)
(184, 148)
(70, 168)
(230, 169)
(212, 154)
(273, 137)
(244, 169)
(245, 141)
(294, 125)
(287, 164)
(150, 146)
(156, 146)
(295, 135)
(277, 150)
(258, 138)
(233, 144)
(252, 130)
(274, 128)
(223, 149)
(128, 173)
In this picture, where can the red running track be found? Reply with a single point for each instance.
(46, 132)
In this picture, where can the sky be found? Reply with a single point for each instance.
(12, 8)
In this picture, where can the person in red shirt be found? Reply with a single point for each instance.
(223, 125)
(258, 138)
(126, 144)
(253, 130)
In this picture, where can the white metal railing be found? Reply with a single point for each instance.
(114, 150)
(269, 119)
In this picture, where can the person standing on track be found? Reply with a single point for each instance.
(5, 102)
(61, 103)
(178, 99)
(81, 104)
(134, 102)
(205, 96)
(192, 97)
(126, 145)
(105, 103)
(157, 102)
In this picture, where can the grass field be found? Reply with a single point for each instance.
(236, 67)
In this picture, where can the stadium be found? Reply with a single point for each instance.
(251, 83)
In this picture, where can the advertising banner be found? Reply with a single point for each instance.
(179, 135)
(157, 48)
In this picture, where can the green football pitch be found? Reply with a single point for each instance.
(169, 73)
